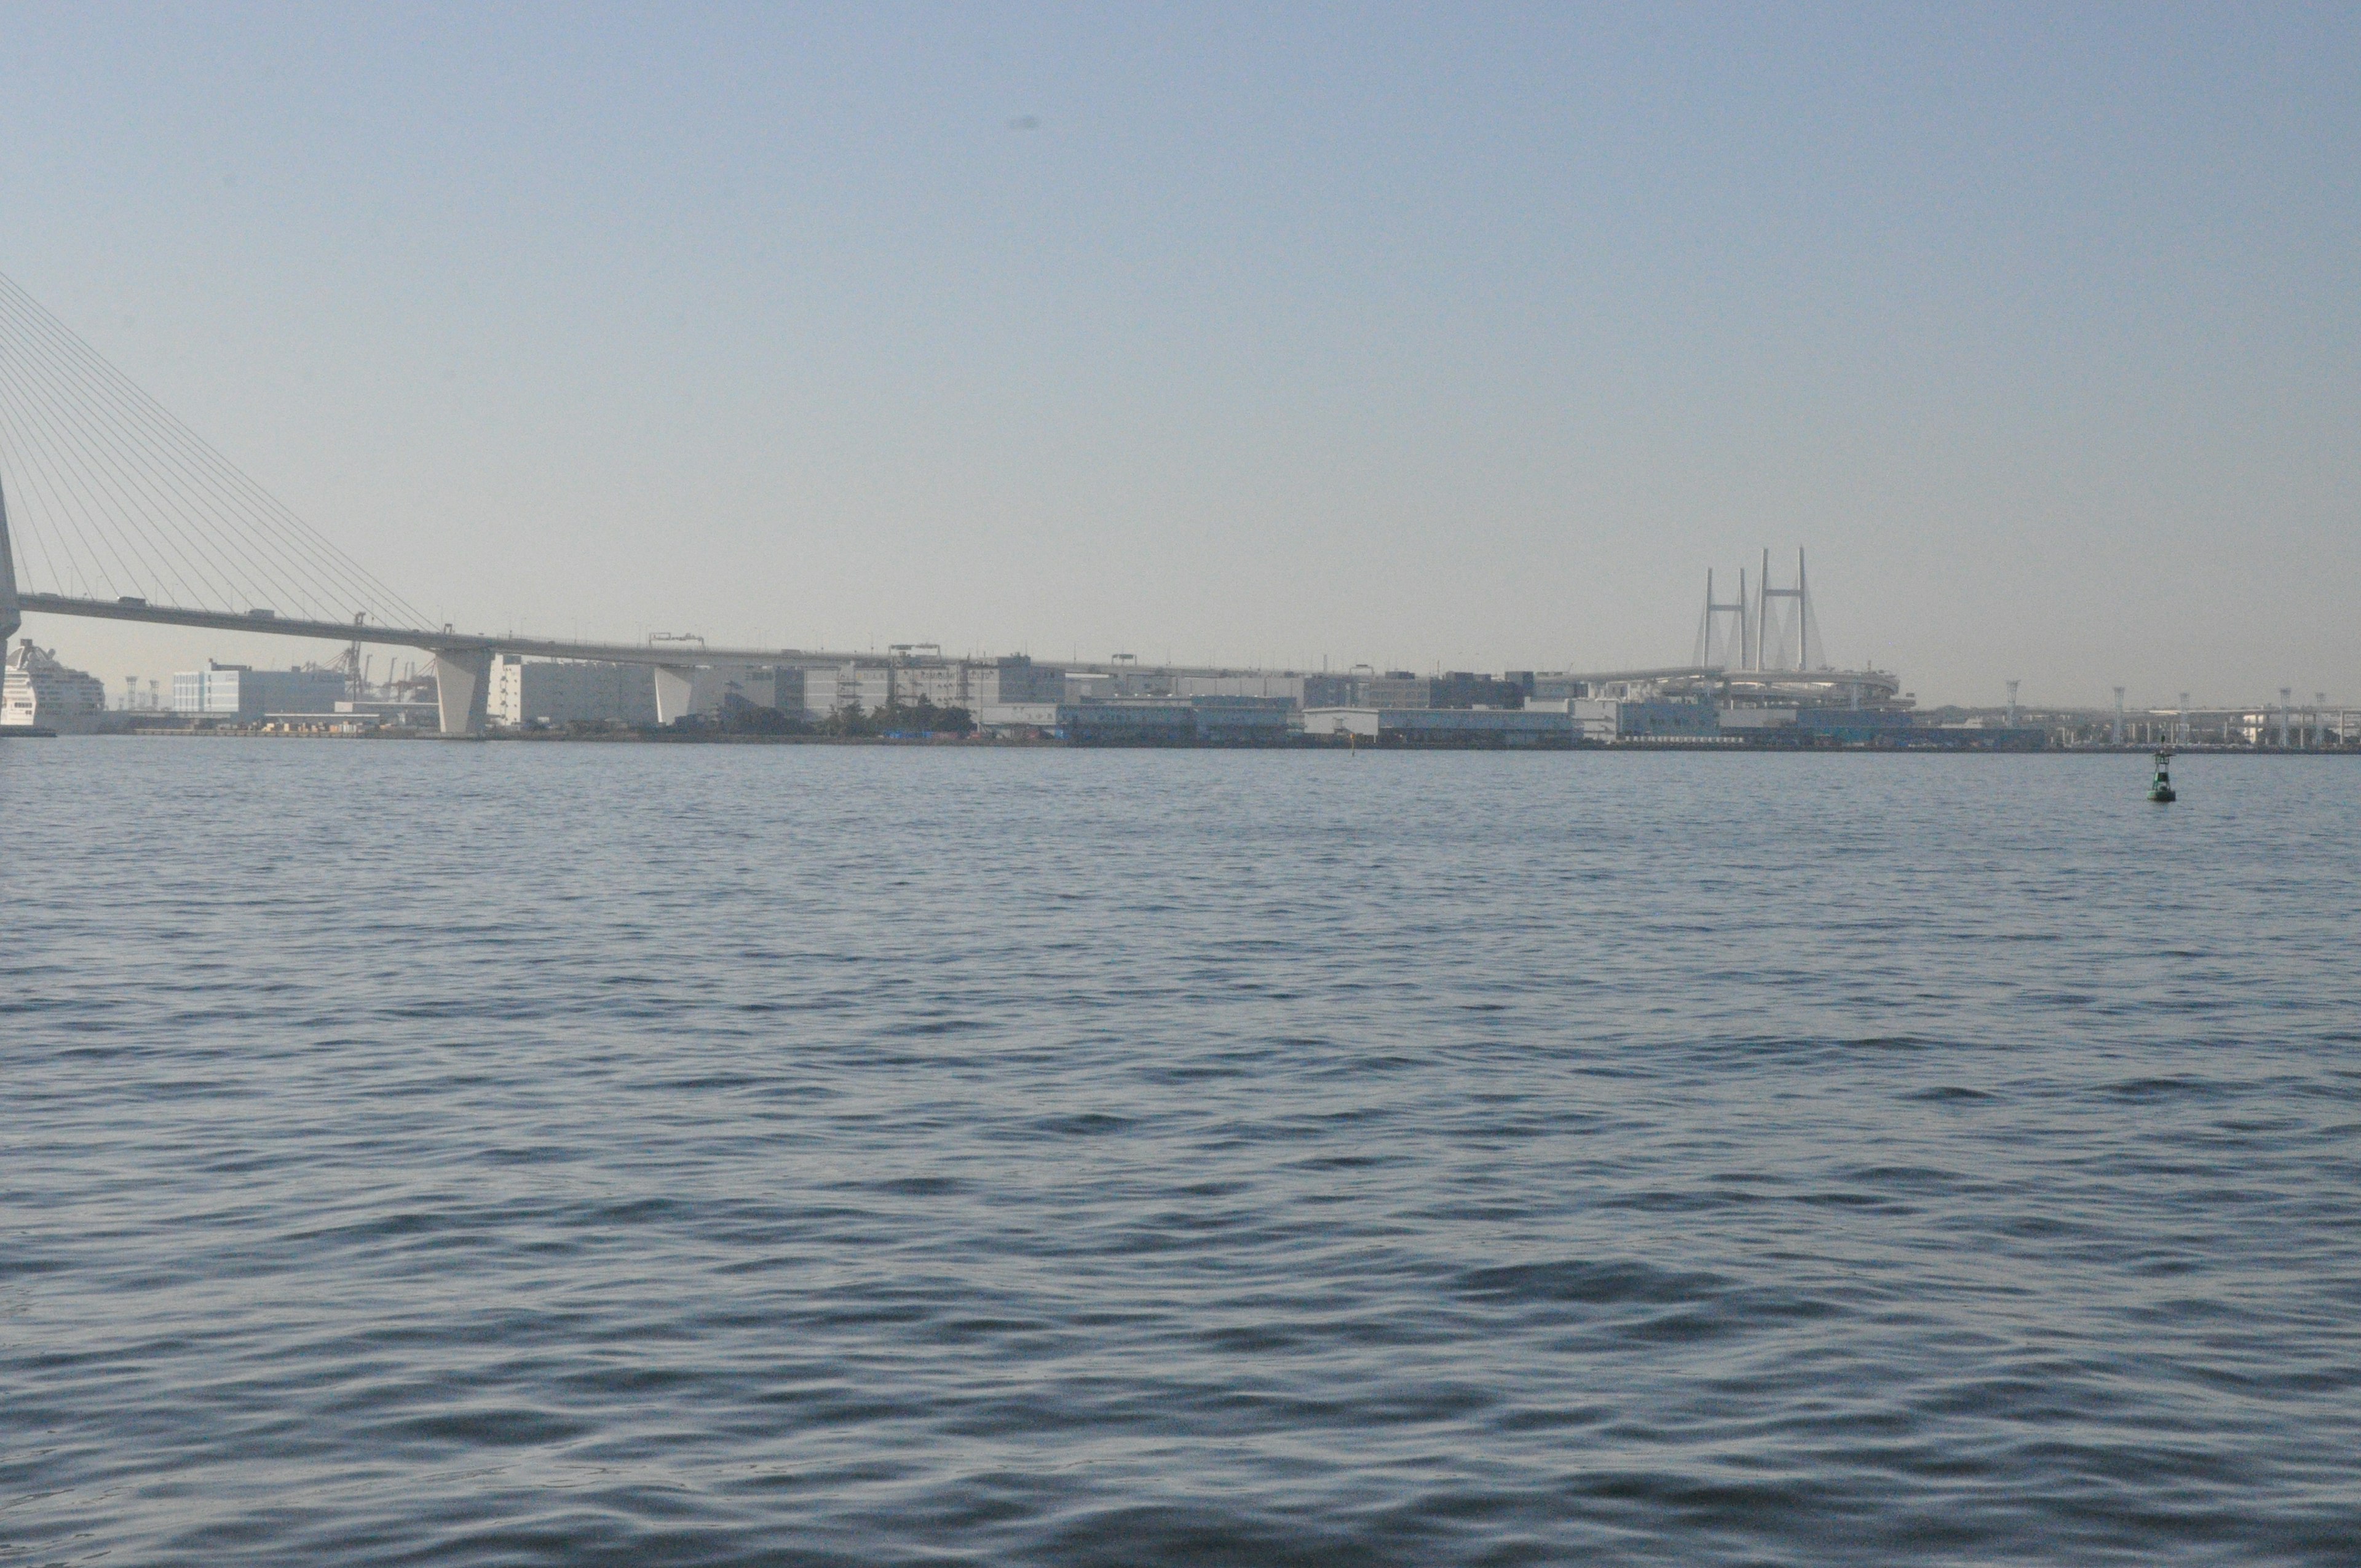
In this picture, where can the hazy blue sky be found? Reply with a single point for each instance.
(1457, 334)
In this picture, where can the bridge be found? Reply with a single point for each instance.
(119, 512)
(462, 660)
(124, 513)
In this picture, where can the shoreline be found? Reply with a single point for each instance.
(1297, 745)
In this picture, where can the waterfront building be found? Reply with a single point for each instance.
(833, 688)
(394, 713)
(970, 684)
(1666, 720)
(788, 683)
(1393, 690)
(564, 691)
(1018, 720)
(1461, 688)
(1303, 691)
(526, 693)
(243, 695)
(1756, 720)
(1017, 679)
(954, 683)
(1226, 721)
(1146, 721)
(714, 687)
(1109, 686)
(1542, 727)
(1862, 726)
(41, 692)
(779, 686)
(1134, 722)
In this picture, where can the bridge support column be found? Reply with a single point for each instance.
(9, 617)
(462, 680)
(676, 689)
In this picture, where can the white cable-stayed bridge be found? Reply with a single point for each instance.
(112, 507)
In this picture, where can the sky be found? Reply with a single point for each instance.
(1461, 336)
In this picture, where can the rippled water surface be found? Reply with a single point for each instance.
(544, 1154)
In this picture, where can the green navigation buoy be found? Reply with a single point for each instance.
(2160, 787)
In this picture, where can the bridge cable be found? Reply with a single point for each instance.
(117, 470)
(75, 428)
(34, 409)
(266, 554)
(92, 518)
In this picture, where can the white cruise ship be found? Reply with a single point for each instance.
(42, 694)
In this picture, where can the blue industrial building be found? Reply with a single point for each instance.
(244, 694)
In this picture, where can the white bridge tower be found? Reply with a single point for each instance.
(11, 616)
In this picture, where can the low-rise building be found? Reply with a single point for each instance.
(716, 686)
(1632, 719)
(1303, 691)
(1859, 726)
(1393, 690)
(1756, 721)
(1018, 720)
(787, 691)
(526, 692)
(1017, 679)
(1446, 727)
(240, 693)
(1224, 720)
(831, 688)
(1461, 688)
(970, 684)
(1134, 721)
(395, 713)
(1111, 686)
(1146, 721)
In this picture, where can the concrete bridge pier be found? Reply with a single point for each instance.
(675, 691)
(463, 679)
(10, 618)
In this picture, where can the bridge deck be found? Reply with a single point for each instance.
(446, 641)
(442, 641)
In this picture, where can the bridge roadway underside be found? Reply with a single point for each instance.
(463, 660)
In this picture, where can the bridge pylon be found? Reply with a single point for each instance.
(11, 615)
(463, 679)
(675, 691)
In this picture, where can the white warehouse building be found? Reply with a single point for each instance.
(565, 691)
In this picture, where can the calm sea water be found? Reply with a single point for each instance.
(542, 1154)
